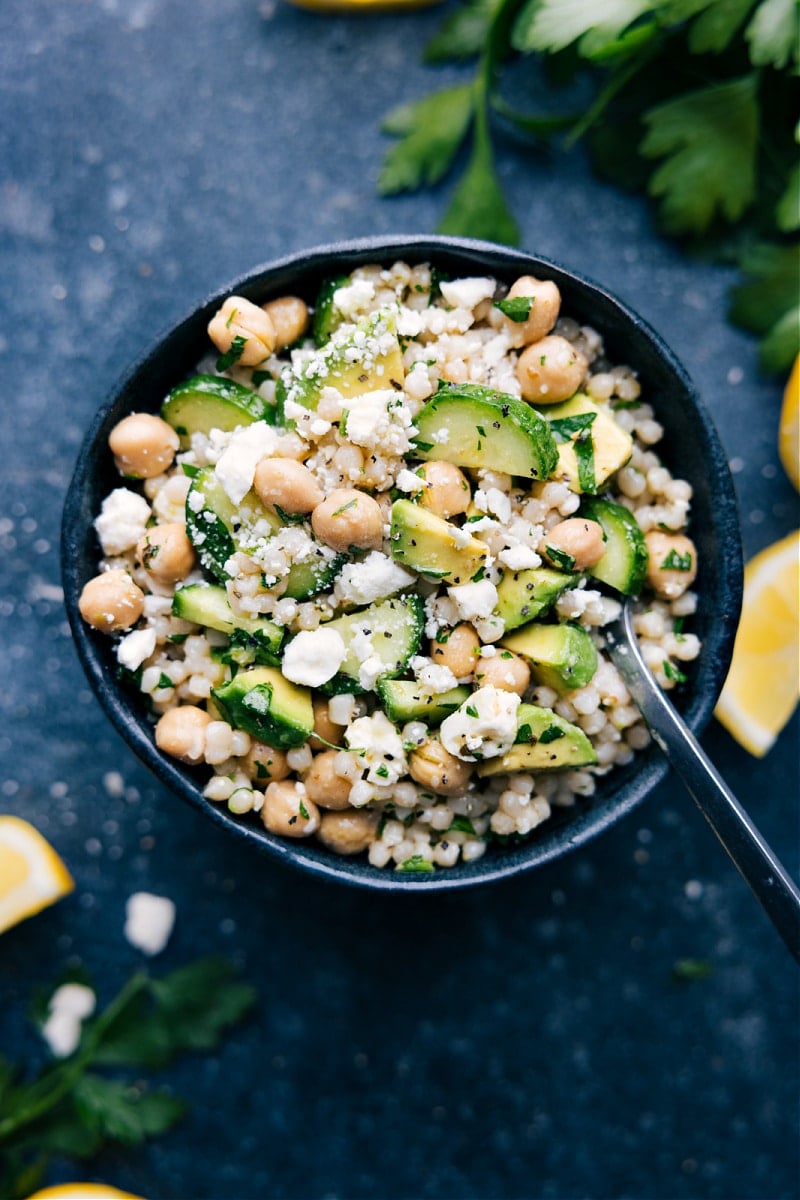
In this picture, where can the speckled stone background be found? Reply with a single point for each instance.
(525, 1041)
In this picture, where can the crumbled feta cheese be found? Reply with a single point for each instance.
(353, 298)
(69, 1006)
(519, 558)
(237, 464)
(379, 420)
(148, 921)
(313, 656)
(122, 521)
(433, 679)
(136, 647)
(375, 578)
(409, 481)
(467, 293)
(409, 323)
(485, 725)
(474, 599)
(380, 748)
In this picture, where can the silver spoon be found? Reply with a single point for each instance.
(761, 870)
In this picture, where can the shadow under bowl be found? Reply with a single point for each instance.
(690, 447)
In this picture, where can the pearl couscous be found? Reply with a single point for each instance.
(360, 564)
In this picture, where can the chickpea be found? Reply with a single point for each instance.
(323, 725)
(181, 732)
(289, 316)
(672, 565)
(238, 318)
(433, 767)
(286, 484)
(457, 649)
(323, 785)
(348, 832)
(165, 552)
(504, 670)
(143, 445)
(347, 518)
(265, 764)
(111, 601)
(581, 539)
(447, 493)
(544, 310)
(288, 812)
(550, 370)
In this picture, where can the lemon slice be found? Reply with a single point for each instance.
(82, 1191)
(763, 683)
(31, 873)
(789, 428)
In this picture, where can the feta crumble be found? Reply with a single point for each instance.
(313, 656)
(485, 725)
(149, 921)
(123, 520)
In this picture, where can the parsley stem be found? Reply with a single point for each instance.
(59, 1082)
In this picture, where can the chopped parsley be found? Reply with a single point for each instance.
(516, 308)
(415, 863)
(551, 734)
(383, 771)
(164, 681)
(233, 355)
(677, 562)
(424, 446)
(471, 711)
(461, 825)
(350, 504)
(189, 470)
(303, 810)
(672, 672)
(290, 518)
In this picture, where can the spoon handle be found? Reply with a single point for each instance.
(756, 862)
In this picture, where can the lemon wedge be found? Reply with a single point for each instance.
(82, 1191)
(31, 873)
(789, 428)
(763, 683)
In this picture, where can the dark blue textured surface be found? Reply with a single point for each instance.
(524, 1040)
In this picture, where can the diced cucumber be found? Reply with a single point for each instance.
(327, 317)
(214, 525)
(475, 426)
(624, 563)
(524, 595)
(358, 358)
(267, 706)
(394, 628)
(403, 701)
(562, 657)
(545, 742)
(434, 547)
(207, 604)
(592, 446)
(208, 402)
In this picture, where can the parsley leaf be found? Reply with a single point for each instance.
(708, 140)
(233, 355)
(551, 25)
(773, 34)
(432, 130)
(478, 207)
(767, 302)
(715, 28)
(122, 1113)
(516, 308)
(463, 34)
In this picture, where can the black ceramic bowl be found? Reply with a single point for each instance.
(690, 446)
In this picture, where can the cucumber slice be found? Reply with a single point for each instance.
(624, 563)
(403, 701)
(592, 446)
(434, 547)
(394, 628)
(266, 705)
(327, 317)
(207, 604)
(209, 402)
(545, 742)
(213, 525)
(474, 426)
(524, 595)
(358, 358)
(562, 657)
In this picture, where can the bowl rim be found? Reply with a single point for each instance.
(93, 648)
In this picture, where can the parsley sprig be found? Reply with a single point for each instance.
(74, 1107)
(692, 101)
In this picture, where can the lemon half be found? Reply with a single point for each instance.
(789, 428)
(31, 873)
(763, 684)
(82, 1191)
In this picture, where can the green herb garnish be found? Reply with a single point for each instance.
(164, 681)
(686, 970)
(350, 504)
(461, 825)
(672, 672)
(551, 734)
(415, 863)
(516, 308)
(233, 355)
(677, 562)
(471, 711)
(561, 558)
(71, 1107)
